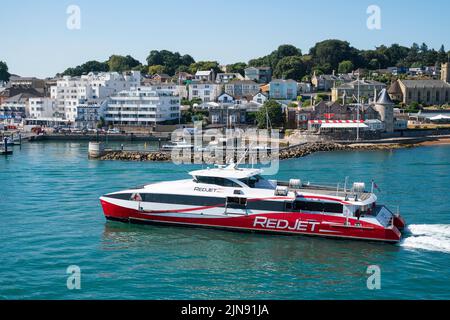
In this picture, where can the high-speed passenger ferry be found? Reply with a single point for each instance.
(241, 199)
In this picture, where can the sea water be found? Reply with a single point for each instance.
(52, 219)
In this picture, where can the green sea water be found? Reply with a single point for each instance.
(52, 219)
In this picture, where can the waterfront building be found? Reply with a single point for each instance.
(325, 82)
(281, 89)
(70, 92)
(258, 74)
(176, 89)
(227, 115)
(227, 77)
(45, 111)
(368, 89)
(27, 82)
(89, 113)
(10, 92)
(241, 88)
(429, 92)
(13, 110)
(206, 91)
(205, 75)
(142, 106)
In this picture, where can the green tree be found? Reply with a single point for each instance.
(122, 63)
(271, 60)
(204, 65)
(4, 74)
(329, 53)
(442, 55)
(345, 66)
(291, 67)
(171, 61)
(156, 69)
(238, 67)
(274, 111)
(85, 68)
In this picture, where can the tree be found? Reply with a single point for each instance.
(291, 67)
(122, 63)
(4, 74)
(156, 69)
(329, 53)
(238, 67)
(204, 65)
(275, 113)
(345, 66)
(271, 60)
(171, 61)
(442, 55)
(85, 68)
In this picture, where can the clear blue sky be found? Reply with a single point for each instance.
(36, 42)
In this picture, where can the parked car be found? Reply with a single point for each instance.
(114, 131)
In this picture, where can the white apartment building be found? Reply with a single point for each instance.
(207, 92)
(44, 111)
(177, 90)
(142, 106)
(70, 92)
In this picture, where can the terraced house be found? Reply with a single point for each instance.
(242, 88)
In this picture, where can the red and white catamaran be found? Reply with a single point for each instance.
(240, 199)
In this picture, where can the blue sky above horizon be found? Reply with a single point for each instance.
(36, 42)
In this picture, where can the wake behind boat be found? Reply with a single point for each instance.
(232, 198)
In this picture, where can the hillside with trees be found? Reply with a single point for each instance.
(287, 61)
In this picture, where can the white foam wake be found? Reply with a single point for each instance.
(434, 237)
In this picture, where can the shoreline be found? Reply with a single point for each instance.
(284, 154)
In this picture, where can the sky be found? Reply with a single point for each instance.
(35, 39)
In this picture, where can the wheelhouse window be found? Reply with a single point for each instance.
(257, 182)
(217, 181)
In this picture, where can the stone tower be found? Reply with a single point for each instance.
(385, 107)
(445, 72)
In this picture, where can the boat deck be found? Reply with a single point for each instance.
(328, 191)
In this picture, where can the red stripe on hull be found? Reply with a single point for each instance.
(281, 222)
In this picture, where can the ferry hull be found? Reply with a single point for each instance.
(289, 223)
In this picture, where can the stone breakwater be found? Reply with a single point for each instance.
(288, 153)
(309, 148)
(136, 156)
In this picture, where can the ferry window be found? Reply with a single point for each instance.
(318, 206)
(237, 200)
(288, 205)
(217, 181)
